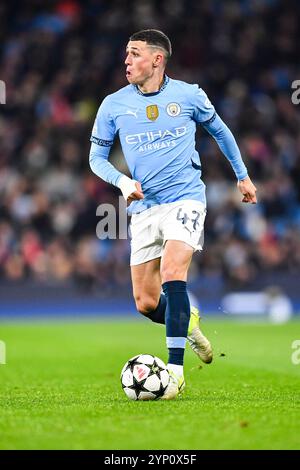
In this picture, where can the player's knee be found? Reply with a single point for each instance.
(145, 305)
(172, 273)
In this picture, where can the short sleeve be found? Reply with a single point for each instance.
(104, 129)
(204, 111)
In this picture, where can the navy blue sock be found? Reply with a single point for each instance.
(158, 315)
(176, 356)
(177, 319)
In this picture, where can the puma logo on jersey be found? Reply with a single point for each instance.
(130, 111)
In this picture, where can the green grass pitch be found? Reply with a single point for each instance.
(60, 388)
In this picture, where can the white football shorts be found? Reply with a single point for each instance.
(150, 229)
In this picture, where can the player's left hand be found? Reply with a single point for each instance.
(248, 190)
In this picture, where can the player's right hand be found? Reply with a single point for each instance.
(138, 194)
(131, 189)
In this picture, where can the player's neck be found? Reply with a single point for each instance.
(153, 84)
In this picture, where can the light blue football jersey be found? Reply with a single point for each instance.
(157, 135)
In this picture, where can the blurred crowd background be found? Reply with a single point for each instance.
(59, 59)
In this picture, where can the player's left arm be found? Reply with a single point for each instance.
(227, 143)
(206, 115)
(248, 190)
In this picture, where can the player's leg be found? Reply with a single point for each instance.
(185, 222)
(146, 250)
(175, 262)
(146, 285)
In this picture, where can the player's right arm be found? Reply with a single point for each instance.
(102, 138)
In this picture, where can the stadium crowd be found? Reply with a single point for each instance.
(60, 59)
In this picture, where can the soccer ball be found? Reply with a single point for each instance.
(144, 377)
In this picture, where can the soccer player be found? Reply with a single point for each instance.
(156, 119)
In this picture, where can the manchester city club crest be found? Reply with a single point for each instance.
(173, 109)
(152, 112)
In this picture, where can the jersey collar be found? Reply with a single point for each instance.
(165, 82)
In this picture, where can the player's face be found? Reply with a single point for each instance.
(139, 62)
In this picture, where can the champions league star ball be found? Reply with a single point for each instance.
(144, 377)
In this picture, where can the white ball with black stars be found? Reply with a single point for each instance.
(144, 377)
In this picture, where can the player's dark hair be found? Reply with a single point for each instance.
(154, 37)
